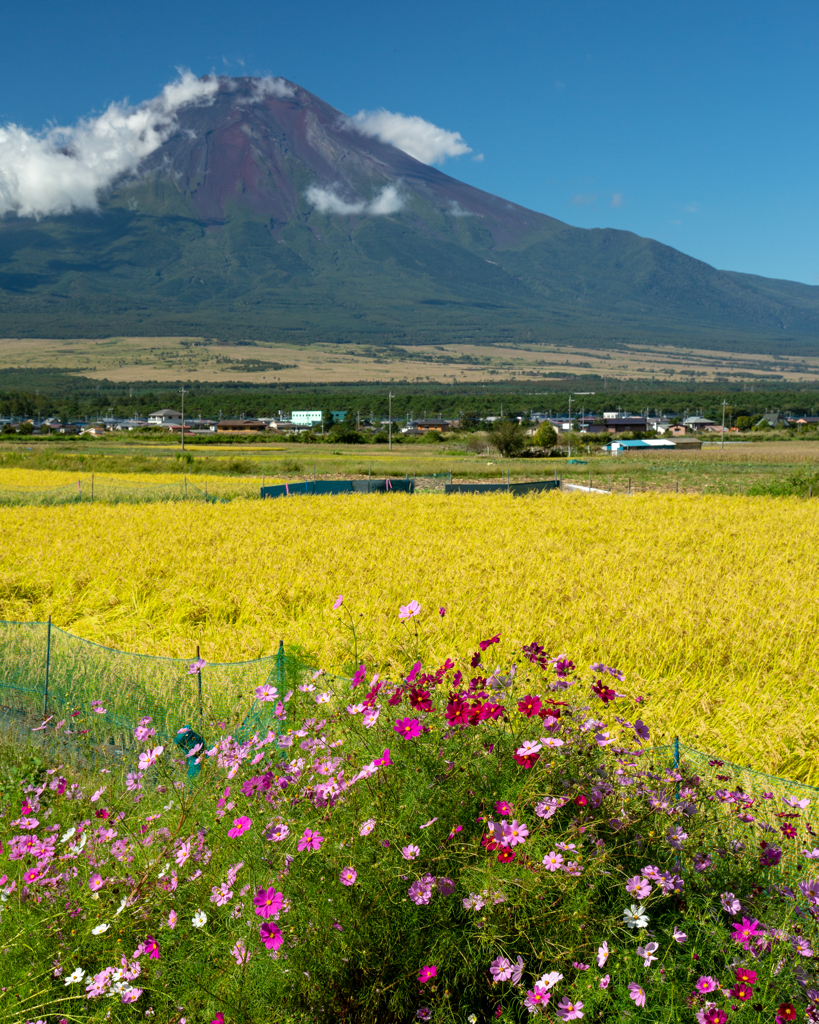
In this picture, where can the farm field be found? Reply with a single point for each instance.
(710, 470)
(707, 604)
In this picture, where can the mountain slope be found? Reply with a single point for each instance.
(270, 215)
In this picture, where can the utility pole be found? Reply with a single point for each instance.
(722, 439)
(390, 398)
(182, 392)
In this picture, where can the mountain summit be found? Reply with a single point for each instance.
(262, 212)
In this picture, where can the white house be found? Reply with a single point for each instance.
(165, 418)
(306, 418)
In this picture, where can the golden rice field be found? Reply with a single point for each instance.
(37, 480)
(708, 604)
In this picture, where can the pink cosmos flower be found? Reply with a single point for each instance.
(266, 692)
(503, 808)
(348, 876)
(95, 883)
(98, 794)
(604, 981)
(240, 826)
(130, 995)
(196, 666)
(149, 757)
(383, 761)
(268, 902)
(567, 1010)
(706, 984)
(427, 973)
(339, 601)
(409, 728)
(410, 852)
(529, 747)
(537, 998)
(239, 952)
(409, 611)
(32, 875)
(500, 969)
(150, 947)
(602, 954)
(442, 612)
(172, 919)
(515, 833)
(271, 935)
(310, 841)
(141, 733)
(637, 994)
(276, 833)
(639, 887)
(553, 861)
(367, 827)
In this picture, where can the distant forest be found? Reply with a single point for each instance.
(44, 393)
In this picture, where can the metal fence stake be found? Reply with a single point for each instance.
(199, 681)
(47, 667)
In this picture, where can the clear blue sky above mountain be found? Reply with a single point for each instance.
(693, 123)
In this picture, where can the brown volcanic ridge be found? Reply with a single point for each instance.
(248, 143)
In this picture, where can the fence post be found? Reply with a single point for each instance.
(199, 681)
(676, 753)
(47, 667)
(629, 485)
(280, 664)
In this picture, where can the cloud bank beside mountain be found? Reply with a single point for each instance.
(62, 169)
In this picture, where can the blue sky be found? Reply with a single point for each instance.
(693, 123)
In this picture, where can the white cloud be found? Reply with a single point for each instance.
(583, 200)
(63, 168)
(325, 200)
(616, 199)
(692, 208)
(456, 210)
(478, 158)
(421, 139)
(264, 87)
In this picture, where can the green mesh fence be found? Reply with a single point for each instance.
(45, 672)
(48, 673)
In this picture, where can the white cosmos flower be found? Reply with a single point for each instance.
(67, 834)
(100, 929)
(121, 907)
(200, 919)
(75, 976)
(551, 979)
(635, 917)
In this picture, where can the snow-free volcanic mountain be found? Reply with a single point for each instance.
(268, 214)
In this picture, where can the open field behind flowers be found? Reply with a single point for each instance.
(708, 605)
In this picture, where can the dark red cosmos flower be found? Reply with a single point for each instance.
(488, 842)
(788, 831)
(369, 700)
(526, 760)
(787, 1011)
(563, 666)
(488, 643)
(103, 812)
(549, 713)
(581, 800)
(420, 699)
(397, 697)
(457, 712)
(746, 975)
(530, 705)
(476, 659)
(506, 855)
(716, 764)
(605, 693)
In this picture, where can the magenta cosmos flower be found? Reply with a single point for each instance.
(743, 933)
(409, 728)
(409, 611)
(348, 876)
(268, 902)
(240, 826)
(150, 947)
(427, 973)
(310, 841)
(271, 935)
(339, 601)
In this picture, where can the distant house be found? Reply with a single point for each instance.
(95, 430)
(677, 430)
(772, 419)
(423, 426)
(240, 426)
(306, 417)
(696, 423)
(165, 418)
(808, 421)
